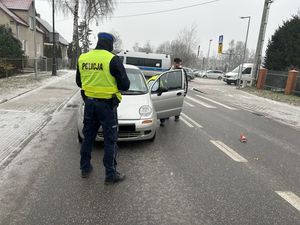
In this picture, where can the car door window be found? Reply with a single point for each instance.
(171, 80)
(247, 70)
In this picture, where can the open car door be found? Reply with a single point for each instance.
(167, 93)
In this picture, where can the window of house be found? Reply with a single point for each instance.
(24, 46)
(38, 49)
(31, 22)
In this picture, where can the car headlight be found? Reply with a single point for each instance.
(145, 111)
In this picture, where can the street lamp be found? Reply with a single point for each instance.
(53, 42)
(208, 53)
(245, 49)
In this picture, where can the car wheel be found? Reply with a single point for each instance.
(219, 78)
(79, 138)
(204, 76)
(228, 82)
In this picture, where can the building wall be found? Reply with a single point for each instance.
(64, 51)
(27, 38)
(24, 34)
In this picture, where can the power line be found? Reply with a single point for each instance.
(169, 10)
(119, 2)
(138, 2)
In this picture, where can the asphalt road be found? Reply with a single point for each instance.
(195, 172)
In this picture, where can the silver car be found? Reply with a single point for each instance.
(140, 108)
(215, 74)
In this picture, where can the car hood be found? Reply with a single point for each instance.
(231, 74)
(130, 106)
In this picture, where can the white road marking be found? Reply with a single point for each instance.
(186, 122)
(228, 151)
(191, 120)
(189, 104)
(291, 198)
(201, 103)
(218, 103)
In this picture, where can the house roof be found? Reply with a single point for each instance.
(49, 28)
(12, 15)
(17, 4)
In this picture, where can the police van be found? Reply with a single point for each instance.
(150, 63)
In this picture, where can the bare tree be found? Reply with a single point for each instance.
(118, 43)
(164, 48)
(146, 48)
(184, 46)
(90, 10)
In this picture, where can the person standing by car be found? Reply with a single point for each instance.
(101, 75)
(177, 64)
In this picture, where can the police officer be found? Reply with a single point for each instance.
(101, 75)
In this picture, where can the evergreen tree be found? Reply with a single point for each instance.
(10, 47)
(283, 51)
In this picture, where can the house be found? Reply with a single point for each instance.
(18, 15)
(48, 33)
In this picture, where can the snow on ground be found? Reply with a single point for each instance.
(279, 111)
(16, 85)
(26, 105)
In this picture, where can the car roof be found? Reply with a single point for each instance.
(247, 64)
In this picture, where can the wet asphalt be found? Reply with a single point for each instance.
(180, 178)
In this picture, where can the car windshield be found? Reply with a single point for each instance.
(137, 83)
(237, 69)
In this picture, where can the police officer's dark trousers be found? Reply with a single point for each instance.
(100, 112)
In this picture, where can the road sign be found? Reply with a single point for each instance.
(221, 39)
(220, 46)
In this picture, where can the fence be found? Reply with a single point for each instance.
(9, 67)
(276, 81)
(297, 88)
(287, 82)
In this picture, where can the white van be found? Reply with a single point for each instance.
(232, 77)
(150, 63)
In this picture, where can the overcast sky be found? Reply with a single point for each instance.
(216, 18)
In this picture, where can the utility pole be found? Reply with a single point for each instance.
(198, 55)
(53, 42)
(208, 54)
(34, 39)
(244, 55)
(261, 38)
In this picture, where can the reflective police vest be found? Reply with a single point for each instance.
(153, 78)
(96, 79)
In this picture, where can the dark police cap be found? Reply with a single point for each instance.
(104, 35)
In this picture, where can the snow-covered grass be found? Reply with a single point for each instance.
(276, 96)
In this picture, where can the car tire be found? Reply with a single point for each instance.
(204, 76)
(228, 82)
(79, 138)
(219, 78)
